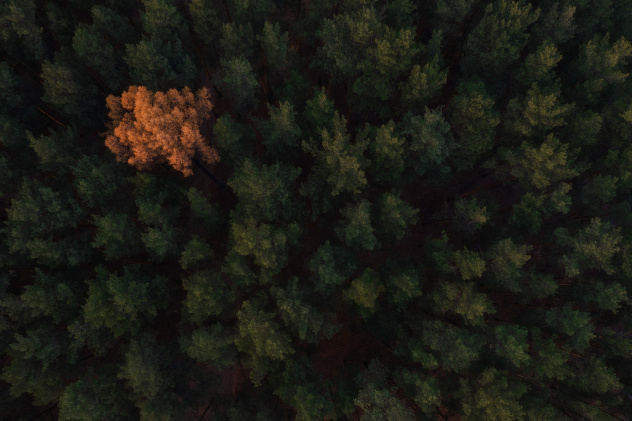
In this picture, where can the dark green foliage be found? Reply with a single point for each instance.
(68, 90)
(540, 285)
(593, 247)
(423, 84)
(469, 215)
(421, 210)
(573, 323)
(394, 217)
(261, 339)
(274, 45)
(27, 376)
(511, 344)
(239, 80)
(344, 37)
(124, 302)
(453, 12)
(441, 344)
(93, 397)
(557, 23)
(110, 22)
(55, 150)
(538, 66)
(338, 161)
(53, 296)
(356, 229)
(281, 133)
(268, 245)
(196, 251)
(424, 390)
(609, 297)
(387, 154)
(97, 181)
(528, 213)
(383, 64)
(206, 295)
(331, 265)
(304, 390)
(61, 23)
(237, 41)
(596, 377)
(300, 316)
(206, 20)
(162, 242)
(204, 213)
(234, 140)
(161, 17)
(600, 65)
(498, 38)
(469, 264)
(539, 113)
(117, 234)
(159, 64)
(507, 262)
(39, 223)
(319, 111)
(492, 396)
(474, 120)
(357, 45)
(549, 360)
(265, 192)
(403, 281)
(9, 89)
(141, 367)
(99, 54)
(430, 140)
(543, 166)
(20, 30)
(211, 345)
(377, 398)
(463, 300)
(365, 291)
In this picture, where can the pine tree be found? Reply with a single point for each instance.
(275, 45)
(474, 120)
(430, 140)
(281, 133)
(356, 230)
(97, 53)
(260, 339)
(69, 90)
(331, 266)
(265, 192)
(213, 345)
(388, 154)
(393, 217)
(463, 300)
(497, 39)
(159, 64)
(124, 302)
(207, 295)
(240, 82)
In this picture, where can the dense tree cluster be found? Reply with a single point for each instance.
(316, 210)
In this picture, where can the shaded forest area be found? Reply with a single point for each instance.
(379, 210)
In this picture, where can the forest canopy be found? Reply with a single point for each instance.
(316, 210)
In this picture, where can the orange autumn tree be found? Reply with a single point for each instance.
(151, 128)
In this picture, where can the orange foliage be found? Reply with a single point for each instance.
(150, 128)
